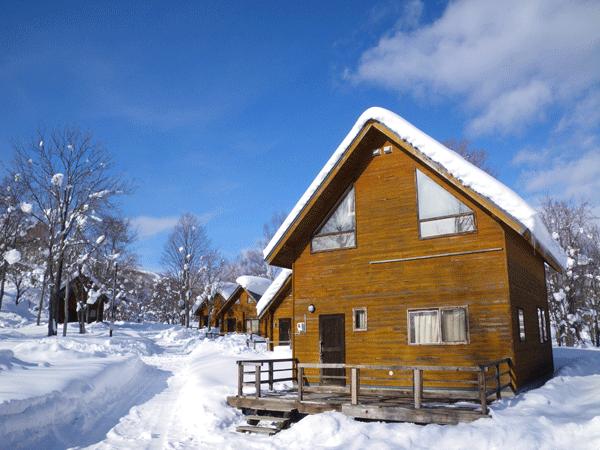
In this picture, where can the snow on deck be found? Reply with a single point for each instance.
(467, 173)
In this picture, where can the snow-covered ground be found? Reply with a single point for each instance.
(158, 386)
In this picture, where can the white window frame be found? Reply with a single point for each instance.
(439, 312)
(354, 311)
(451, 216)
(331, 212)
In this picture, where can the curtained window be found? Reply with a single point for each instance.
(440, 213)
(339, 230)
(543, 331)
(252, 326)
(438, 326)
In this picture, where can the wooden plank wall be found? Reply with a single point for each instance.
(387, 228)
(242, 307)
(526, 275)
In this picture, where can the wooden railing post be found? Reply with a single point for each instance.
(482, 391)
(354, 384)
(418, 387)
(498, 383)
(257, 379)
(270, 375)
(300, 382)
(240, 378)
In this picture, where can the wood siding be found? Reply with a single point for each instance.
(527, 280)
(337, 281)
(281, 308)
(240, 307)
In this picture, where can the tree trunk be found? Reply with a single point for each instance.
(54, 300)
(2, 281)
(66, 303)
(41, 302)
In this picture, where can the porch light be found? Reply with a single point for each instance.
(311, 308)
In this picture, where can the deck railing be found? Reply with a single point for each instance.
(260, 367)
(432, 382)
(416, 383)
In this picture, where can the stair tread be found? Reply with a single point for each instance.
(256, 429)
(269, 418)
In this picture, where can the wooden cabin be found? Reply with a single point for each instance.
(238, 314)
(206, 308)
(275, 310)
(408, 261)
(78, 292)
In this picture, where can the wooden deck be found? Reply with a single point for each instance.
(425, 400)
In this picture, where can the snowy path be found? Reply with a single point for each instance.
(164, 387)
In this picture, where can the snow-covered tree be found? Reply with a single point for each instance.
(573, 295)
(68, 180)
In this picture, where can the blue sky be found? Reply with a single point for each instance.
(229, 109)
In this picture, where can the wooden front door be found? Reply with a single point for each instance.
(231, 325)
(333, 347)
(284, 331)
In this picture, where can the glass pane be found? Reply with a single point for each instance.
(540, 324)
(435, 201)
(424, 327)
(521, 325)
(343, 240)
(451, 225)
(360, 319)
(342, 218)
(454, 325)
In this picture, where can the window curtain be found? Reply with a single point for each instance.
(424, 327)
(454, 327)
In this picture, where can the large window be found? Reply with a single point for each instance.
(440, 213)
(339, 230)
(438, 326)
(252, 326)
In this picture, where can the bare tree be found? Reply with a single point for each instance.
(477, 157)
(68, 179)
(183, 255)
(251, 260)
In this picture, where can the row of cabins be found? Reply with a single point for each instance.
(411, 279)
(252, 305)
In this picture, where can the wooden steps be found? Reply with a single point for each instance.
(267, 421)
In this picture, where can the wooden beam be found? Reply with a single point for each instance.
(438, 255)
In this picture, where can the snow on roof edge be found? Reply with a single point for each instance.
(272, 290)
(255, 284)
(467, 173)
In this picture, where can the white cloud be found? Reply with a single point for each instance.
(148, 226)
(509, 61)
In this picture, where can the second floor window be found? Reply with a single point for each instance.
(339, 229)
(440, 213)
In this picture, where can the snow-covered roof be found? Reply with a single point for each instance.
(468, 174)
(272, 290)
(256, 285)
(224, 288)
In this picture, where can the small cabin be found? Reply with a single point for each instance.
(275, 310)
(238, 313)
(205, 309)
(79, 289)
(414, 272)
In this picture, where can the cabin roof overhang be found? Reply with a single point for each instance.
(281, 292)
(230, 301)
(293, 236)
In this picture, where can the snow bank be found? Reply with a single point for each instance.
(467, 173)
(257, 285)
(273, 288)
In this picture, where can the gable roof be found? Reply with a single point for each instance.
(279, 283)
(224, 288)
(514, 211)
(255, 286)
